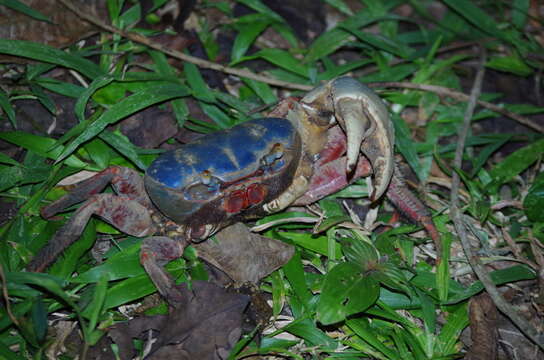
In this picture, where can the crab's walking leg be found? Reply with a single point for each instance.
(329, 177)
(126, 215)
(404, 200)
(125, 181)
(299, 186)
(126, 212)
(156, 252)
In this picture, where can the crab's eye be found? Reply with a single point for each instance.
(274, 159)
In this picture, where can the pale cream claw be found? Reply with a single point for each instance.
(365, 120)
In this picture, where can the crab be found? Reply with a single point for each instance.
(306, 149)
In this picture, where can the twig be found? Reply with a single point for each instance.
(285, 84)
(457, 218)
(181, 56)
(4, 283)
(444, 91)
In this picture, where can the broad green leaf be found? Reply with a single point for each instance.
(24, 9)
(456, 321)
(122, 144)
(499, 277)
(96, 305)
(60, 87)
(346, 291)
(443, 268)
(8, 109)
(318, 244)
(242, 107)
(362, 328)
(341, 6)
(396, 300)
(517, 162)
(7, 160)
(295, 274)
(126, 107)
(134, 288)
(81, 102)
(533, 204)
(520, 11)
(44, 99)
(40, 145)
(511, 63)
(360, 251)
(476, 16)
(66, 264)
(6, 353)
(209, 41)
(49, 54)
(406, 146)
(216, 114)
(200, 89)
(258, 6)
(130, 16)
(22, 175)
(382, 43)
(391, 73)
(99, 151)
(280, 58)
(124, 264)
(247, 33)
(333, 39)
(39, 319)
(44, 281)
(263, 91)
(307, 330)
(428, 310)
(479, 161)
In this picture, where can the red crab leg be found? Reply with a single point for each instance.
(330, 176)
(125, 181)
(127, 212)
(156, 252)
(405, 201)
(126, 215)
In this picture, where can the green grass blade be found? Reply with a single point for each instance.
(49, 54)
(130, 105)
(24, 9)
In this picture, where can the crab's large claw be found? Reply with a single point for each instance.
(365, 120)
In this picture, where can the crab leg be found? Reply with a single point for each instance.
(126, 215)
(329, 177)
(127, 212)
(156, 252)
(365, 120)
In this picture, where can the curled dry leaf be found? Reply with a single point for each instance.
(244, 256)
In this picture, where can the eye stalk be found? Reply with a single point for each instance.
(211, 181)
(273, 160)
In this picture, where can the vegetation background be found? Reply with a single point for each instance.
(88, 84)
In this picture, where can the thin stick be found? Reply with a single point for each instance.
(4, 284)
(457, 95)
(457, 218)
(440, 90)
(181, 56)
